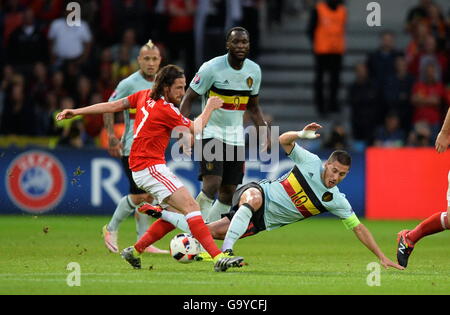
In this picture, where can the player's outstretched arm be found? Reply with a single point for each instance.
(364, 235)
(201, 121)
(100, 108)
(443, 138)
(287, 139)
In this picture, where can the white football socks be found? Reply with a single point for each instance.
(215, 213)
(238, 226)
(124, 208)
(205, 204)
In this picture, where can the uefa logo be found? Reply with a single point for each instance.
(35, 181)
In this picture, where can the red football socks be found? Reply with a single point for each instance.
(155, 232)
(201, 232)
(438, 222)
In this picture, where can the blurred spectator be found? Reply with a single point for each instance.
(381, 64)
(106, 83)
(417, 14)
(390, 134)
(421, 135)
(27, 44)
(93, 124)
(18, 113)
(13, 19)
(181, 34)
(2, 27)
(437, 26)
(364, 105)
(428, 55)
(128, 43)
(47, 10)
(58, 86)
(70, 130)
(131, 14)
(398, 93)
(68, 43)
(7, 81)
(417, 42)
(40, 85)
(338, 138)
(122, 68)
(211, 25)
(250, 21)
(428, 97)
(327, 32)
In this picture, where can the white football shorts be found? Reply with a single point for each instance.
(157, 180)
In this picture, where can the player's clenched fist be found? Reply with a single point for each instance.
(214, 102)
(66, 114)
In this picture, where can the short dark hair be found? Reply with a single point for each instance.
(238, 29)
(166, 76)
(342, 157)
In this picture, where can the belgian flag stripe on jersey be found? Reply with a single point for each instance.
(302, 195)
(132, 113)
(232, 102)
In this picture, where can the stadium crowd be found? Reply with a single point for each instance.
(398, 97)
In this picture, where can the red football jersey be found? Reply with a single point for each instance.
(152, 129)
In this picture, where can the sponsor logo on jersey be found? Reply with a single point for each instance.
(197, 79)
(35, 181)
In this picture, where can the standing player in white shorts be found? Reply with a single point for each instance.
(149, 60)
(156, 117)
(439, 221)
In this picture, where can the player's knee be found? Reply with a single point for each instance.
(138, 199)
(253, 197)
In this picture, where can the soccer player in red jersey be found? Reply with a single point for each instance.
(439, 221)
(156, 117)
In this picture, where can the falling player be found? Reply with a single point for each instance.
(309, 189)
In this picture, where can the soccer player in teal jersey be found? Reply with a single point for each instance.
(236, 80)
(438, 222)
(309, 189)
(149, 60)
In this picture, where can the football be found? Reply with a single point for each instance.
(184, 248)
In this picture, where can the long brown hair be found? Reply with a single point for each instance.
(165, 77)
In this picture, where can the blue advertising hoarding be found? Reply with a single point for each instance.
(90, 182)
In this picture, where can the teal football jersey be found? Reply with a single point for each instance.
(235, 87)
(128, 86)
(301, 193)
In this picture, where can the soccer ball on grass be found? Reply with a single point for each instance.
(184, 248)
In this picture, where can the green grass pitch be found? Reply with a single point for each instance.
(317, 256)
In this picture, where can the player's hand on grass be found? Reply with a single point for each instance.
(214, 102)
(442, 142)
(309, 132)
(386, 263)
(66, 114)
(115, 147)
